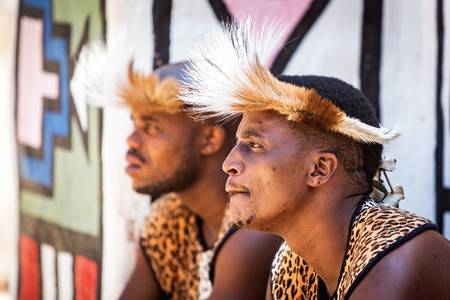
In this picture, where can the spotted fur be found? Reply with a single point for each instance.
(376, 230)
(291, 277)
(170, 239)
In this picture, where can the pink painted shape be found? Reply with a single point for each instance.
(33, 83)
(288, 12)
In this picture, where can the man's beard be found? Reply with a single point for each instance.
(242, 222)
(185, 175)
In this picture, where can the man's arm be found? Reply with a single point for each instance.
(269, 290)
(142, 283)
(243, 266)
(419, 269)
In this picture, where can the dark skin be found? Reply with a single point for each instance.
(279, 184)
(419, 269)
(164, 142)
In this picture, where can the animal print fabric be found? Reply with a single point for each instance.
(376, 230)
(170, 239)
(291, 277)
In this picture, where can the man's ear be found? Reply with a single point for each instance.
(322, 168)
(212, 139)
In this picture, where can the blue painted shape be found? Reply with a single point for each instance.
(54, 123)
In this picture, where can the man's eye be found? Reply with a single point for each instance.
(254, 145)
(149, 128)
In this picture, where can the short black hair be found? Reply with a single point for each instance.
(355, 104)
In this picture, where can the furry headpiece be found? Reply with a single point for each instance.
(227, 76)
(156, 92)
(105, 76)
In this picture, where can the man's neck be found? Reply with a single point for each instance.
(321, 235)
(207, 199)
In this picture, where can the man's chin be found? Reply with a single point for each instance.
(242, 221)
(149, 191)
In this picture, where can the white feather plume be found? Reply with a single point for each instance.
(362, 132)
(220, 65)
(100, 74)
(101, 71)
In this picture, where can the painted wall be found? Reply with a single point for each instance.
(62, 160)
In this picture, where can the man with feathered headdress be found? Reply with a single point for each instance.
(307, 150)
(188, 248)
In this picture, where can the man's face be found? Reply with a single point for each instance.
(161, 153)
(266, 171)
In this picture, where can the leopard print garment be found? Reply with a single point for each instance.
(171, 241)
(376, 230)
(291, 277)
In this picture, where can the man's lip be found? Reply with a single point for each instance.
(233, 189)
(132, 168)
(234, 193)
(133, 160)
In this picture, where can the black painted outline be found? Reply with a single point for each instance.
(370, 62)
(442, 194)
(161, 17)
(221, 11)
(57, 236)
(298, 34)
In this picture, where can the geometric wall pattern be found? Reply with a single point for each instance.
(59, 149)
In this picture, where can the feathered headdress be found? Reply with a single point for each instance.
(227, 76)
(105, 76)
(152, 93)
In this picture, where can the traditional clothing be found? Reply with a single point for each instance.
(375, 231)
(176, 251)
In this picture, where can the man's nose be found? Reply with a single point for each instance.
(232, 165)
(134, 140)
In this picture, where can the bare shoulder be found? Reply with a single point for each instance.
(142, 283)
(245, 241)
(418, 269)
(243, 265)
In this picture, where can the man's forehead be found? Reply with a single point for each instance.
(144, 117)
(260, 123)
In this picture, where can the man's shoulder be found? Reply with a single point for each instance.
(377, 231)
(245, 241)
(166, 204)
(167, 208)
(380, 229)
(418, 269)
(243, 265)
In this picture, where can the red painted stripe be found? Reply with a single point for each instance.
(85, 278)
(30, 275)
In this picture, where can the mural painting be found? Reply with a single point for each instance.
(59, 163)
